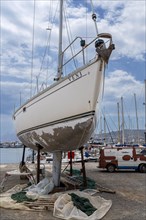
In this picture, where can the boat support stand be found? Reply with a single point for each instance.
(39, 147)
(83, 170)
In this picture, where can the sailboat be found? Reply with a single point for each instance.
(63, 116)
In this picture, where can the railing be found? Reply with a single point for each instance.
(85, 46)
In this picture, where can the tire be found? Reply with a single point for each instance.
(111, 168)
(142, 168)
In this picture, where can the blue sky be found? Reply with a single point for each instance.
(125, 73)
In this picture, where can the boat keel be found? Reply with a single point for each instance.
(57, 158)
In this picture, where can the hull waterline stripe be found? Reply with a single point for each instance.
(92, 113)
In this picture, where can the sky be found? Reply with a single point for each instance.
(23, 35)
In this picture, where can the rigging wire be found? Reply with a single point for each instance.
(47, 48)
(127, 112)
(109, 130)
(108, 126)
(48, 39)
(113, 122)
(69, 37)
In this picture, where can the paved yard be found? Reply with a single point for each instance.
(129, 201)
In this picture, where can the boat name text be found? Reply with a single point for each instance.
(75, 76)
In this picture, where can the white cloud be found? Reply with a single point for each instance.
(120, 83)
(128, 29)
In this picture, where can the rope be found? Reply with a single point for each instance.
(2, 186)
(24, 169)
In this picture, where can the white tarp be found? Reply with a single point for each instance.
(7, 202)
(64, 208)
(34, 192)
(44, 187)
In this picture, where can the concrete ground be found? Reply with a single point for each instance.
(128, 203)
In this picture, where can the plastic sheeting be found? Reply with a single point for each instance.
(44, 187)
(64, 208)
(33, 192)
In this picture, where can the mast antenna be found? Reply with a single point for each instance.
(94, 17)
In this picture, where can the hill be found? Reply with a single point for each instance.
(130, 136)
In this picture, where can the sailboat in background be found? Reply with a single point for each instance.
(63, 116)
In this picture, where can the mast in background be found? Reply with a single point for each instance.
(101, 128)
(136, 118)
(119, 131)
(104, 131)
(145, 111)
(123, 134)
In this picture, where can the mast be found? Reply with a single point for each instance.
(101, 128)
(60, 55)
(119, 136)
(104, 130)
(136, 118)
(123, 134)
(145, 111)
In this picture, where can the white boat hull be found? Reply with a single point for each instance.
(63, 117)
